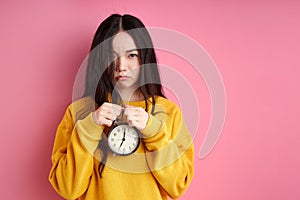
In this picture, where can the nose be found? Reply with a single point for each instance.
(121, 64)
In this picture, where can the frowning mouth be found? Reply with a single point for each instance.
(122, 78)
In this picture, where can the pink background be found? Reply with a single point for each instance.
(255, 45)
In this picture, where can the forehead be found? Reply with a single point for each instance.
(123, 42)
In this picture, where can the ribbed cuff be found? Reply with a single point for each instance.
(152, 127)
(155, 136)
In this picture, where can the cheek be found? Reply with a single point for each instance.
(136, 72)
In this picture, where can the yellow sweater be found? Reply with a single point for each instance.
(162, 166)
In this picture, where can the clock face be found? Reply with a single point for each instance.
(123, 139)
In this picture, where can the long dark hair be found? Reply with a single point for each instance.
(99, 75)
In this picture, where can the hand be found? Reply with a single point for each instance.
(136, 116)
(106, 114)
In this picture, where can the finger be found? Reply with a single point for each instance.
(112, 109)
(107, 115)
(132, 111)
(133, 123)
(117, 108)
(133, 118)
(136, 124)
(107, 122)
(111, 117)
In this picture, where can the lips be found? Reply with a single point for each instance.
(122, 78)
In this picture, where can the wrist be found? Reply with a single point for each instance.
(95, 118)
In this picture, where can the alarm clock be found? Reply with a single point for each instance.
(123, 139)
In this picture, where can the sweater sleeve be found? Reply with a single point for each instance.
(170, 152)
(72, 157)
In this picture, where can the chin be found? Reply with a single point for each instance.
(124, 85)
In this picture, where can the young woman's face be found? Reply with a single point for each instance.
(127, 66)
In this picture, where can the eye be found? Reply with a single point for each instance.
(133, 55)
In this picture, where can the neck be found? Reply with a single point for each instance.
(128, 94)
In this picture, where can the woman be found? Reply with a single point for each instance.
(122, 84)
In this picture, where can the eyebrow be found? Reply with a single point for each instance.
(127, 51)
(130, 50)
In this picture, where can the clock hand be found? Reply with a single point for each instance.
(123, 139)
